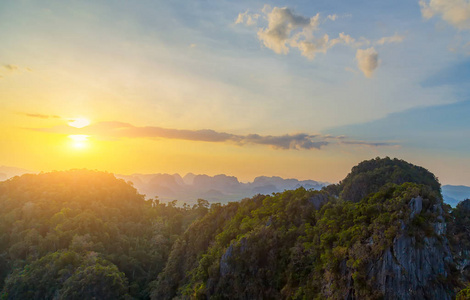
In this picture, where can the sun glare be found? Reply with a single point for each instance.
(79, 141)
(79, 122)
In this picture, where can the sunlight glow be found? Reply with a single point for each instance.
(79, 141)
(79, 122)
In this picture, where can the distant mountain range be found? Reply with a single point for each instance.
(219, 188)
(381, 233)
(453, 194)
(223, 188)
(8, 172)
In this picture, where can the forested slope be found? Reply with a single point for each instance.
(80, 233)
(381, 233)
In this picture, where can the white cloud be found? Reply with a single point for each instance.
(367, 61)
(391, 39)
(281, 23)
(310, 48)
(346, 38)
(454, 12)
(286, 30)
(247, 18)
(332, 17)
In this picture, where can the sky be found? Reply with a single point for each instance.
(302, 89)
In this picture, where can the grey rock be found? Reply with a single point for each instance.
(413, 270)
(416, 205)
(224, 266)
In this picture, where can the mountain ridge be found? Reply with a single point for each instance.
(452, 194)
(83, 234)
(304, 244)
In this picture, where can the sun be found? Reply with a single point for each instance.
(79, 122)
(79, 141)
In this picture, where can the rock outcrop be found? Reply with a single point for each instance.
(415, 267)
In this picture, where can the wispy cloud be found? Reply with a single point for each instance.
(40, 116)
(247, 18)
(116, 130)
(370, 144)
(11, 68)
(396, 38)
(332, 17)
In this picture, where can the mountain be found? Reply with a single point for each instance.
(379, 234)
(8, 172)
(83, 235)
(219, 188)
(453, 194)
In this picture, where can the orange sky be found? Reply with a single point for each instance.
(214, 88)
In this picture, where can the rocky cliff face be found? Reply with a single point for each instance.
(413, 268)
(398, 241)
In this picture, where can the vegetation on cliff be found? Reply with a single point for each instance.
(68, 227)
(382, 232)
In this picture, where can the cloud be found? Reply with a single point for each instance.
(396, 38)
(370, 144)
(41, 116)
(247, 18)
(310, 48)
(348, 69)
(286, 30)
(281, 24)
(116, 130)
(332, 17)
(367, 61)
(296, 141)
(454, 12)
(11, 68)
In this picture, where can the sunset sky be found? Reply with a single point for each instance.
(303, 89)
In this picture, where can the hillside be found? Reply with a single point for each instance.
(381, 233)
(389, 243)
(82, 234)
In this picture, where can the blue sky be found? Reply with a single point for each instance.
(390, 77)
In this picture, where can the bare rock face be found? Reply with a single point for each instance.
(415, 268)
(224, 265)
(416, 205)
(408, 271)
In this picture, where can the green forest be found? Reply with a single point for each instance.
(381, 233)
